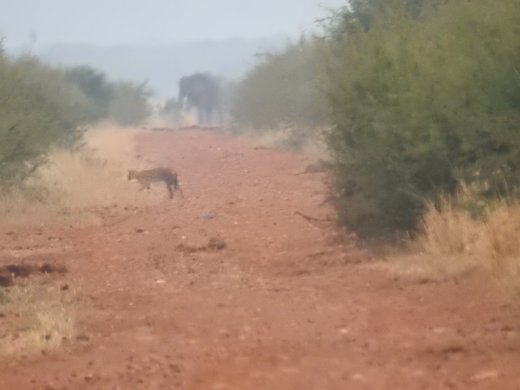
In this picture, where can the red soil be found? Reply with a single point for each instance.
(231, 288)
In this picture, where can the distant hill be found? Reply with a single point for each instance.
(162, 65)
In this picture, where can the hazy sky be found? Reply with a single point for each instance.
(149, 21)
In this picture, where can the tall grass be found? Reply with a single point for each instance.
(73, 184)
(500, 246)
(284, 88)
(445, 246)
(451, 241)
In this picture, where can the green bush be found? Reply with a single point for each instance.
(95, 87)
(422, 100)
(124, 102)
(129, 103)
(44, 107)
(284, 88)
(37, 112)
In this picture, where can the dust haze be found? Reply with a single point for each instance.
(259, 195)
(158, 41)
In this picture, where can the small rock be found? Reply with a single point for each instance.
(83, 338)
(220, 386)
(208, 216)
(359, 378)
(216, 243)
(47, 268)
(160, 281)
(174, 368)
(485, 375)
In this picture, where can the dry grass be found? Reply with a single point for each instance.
(452, 243)
(96, 175)
(39, 318)
(447, 230)
(499, 247)
(31, 207)
(73, 184)
(446, 246)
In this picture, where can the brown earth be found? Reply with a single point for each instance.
(233, 288)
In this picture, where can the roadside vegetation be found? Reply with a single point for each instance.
(44, 116)
(421, 99)
(45, 108)
(65, 146)
(281, 100)
(413, 104)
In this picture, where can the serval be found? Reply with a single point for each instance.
(146, 177)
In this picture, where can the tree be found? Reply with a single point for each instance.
(129, 104)
(421, 103)
(95, 87)
(285, 87)
(37, 112)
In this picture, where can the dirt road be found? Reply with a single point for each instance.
(230, 288)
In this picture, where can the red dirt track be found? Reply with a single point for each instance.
(289, 303)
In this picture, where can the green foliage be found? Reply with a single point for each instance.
(422, 101)
(129, 103)
(124, 102)
(284, 88)
(36, 112)
(43, 107)
(95, 87)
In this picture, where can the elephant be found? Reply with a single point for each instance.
(201, 91)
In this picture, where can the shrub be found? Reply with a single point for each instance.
(37, 112)
(421, 101)
(44, 107)
(95, 87)
(129, 104)
(284, 88)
